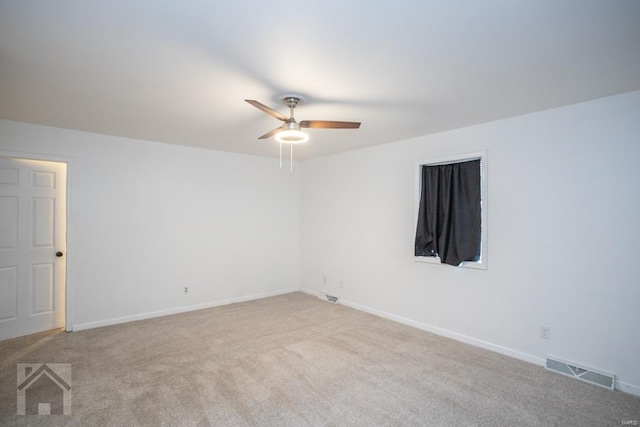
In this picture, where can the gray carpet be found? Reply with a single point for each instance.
(293, 360)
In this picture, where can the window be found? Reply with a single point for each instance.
(451, 211)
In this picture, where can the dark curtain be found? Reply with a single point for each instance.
(449, 218)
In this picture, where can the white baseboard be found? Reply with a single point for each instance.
(449, 334)
(627, 388)
(177, 310)
(619, 385)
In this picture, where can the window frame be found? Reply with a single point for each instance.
(458, 158)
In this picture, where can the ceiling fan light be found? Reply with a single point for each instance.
(292, 136)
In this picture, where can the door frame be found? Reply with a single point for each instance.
(68, 288)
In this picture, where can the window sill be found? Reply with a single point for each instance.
(480, 265)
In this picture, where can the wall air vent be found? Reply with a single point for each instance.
(580, 372)
(328, 297)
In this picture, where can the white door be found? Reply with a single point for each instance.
(32, 246)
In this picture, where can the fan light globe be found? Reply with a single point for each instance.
(292, 136)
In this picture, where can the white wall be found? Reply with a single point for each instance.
(564, 228)
(147, 219)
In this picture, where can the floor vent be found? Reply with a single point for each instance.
(580, 372)
(328, 297)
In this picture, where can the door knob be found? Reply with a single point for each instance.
(59, 254)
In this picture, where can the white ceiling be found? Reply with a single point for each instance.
(179, 71)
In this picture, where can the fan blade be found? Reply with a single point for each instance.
(327, 124)
(267, 110)
(270, 133)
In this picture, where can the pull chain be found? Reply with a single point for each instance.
(291, 107)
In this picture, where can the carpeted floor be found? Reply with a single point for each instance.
(293, 360)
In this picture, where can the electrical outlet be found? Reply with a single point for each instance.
(545, 332)
(341, 284)
(186, 290)
(324, 279)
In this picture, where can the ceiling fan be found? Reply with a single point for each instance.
(290, 131)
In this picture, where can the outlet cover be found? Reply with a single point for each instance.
(545, 332)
